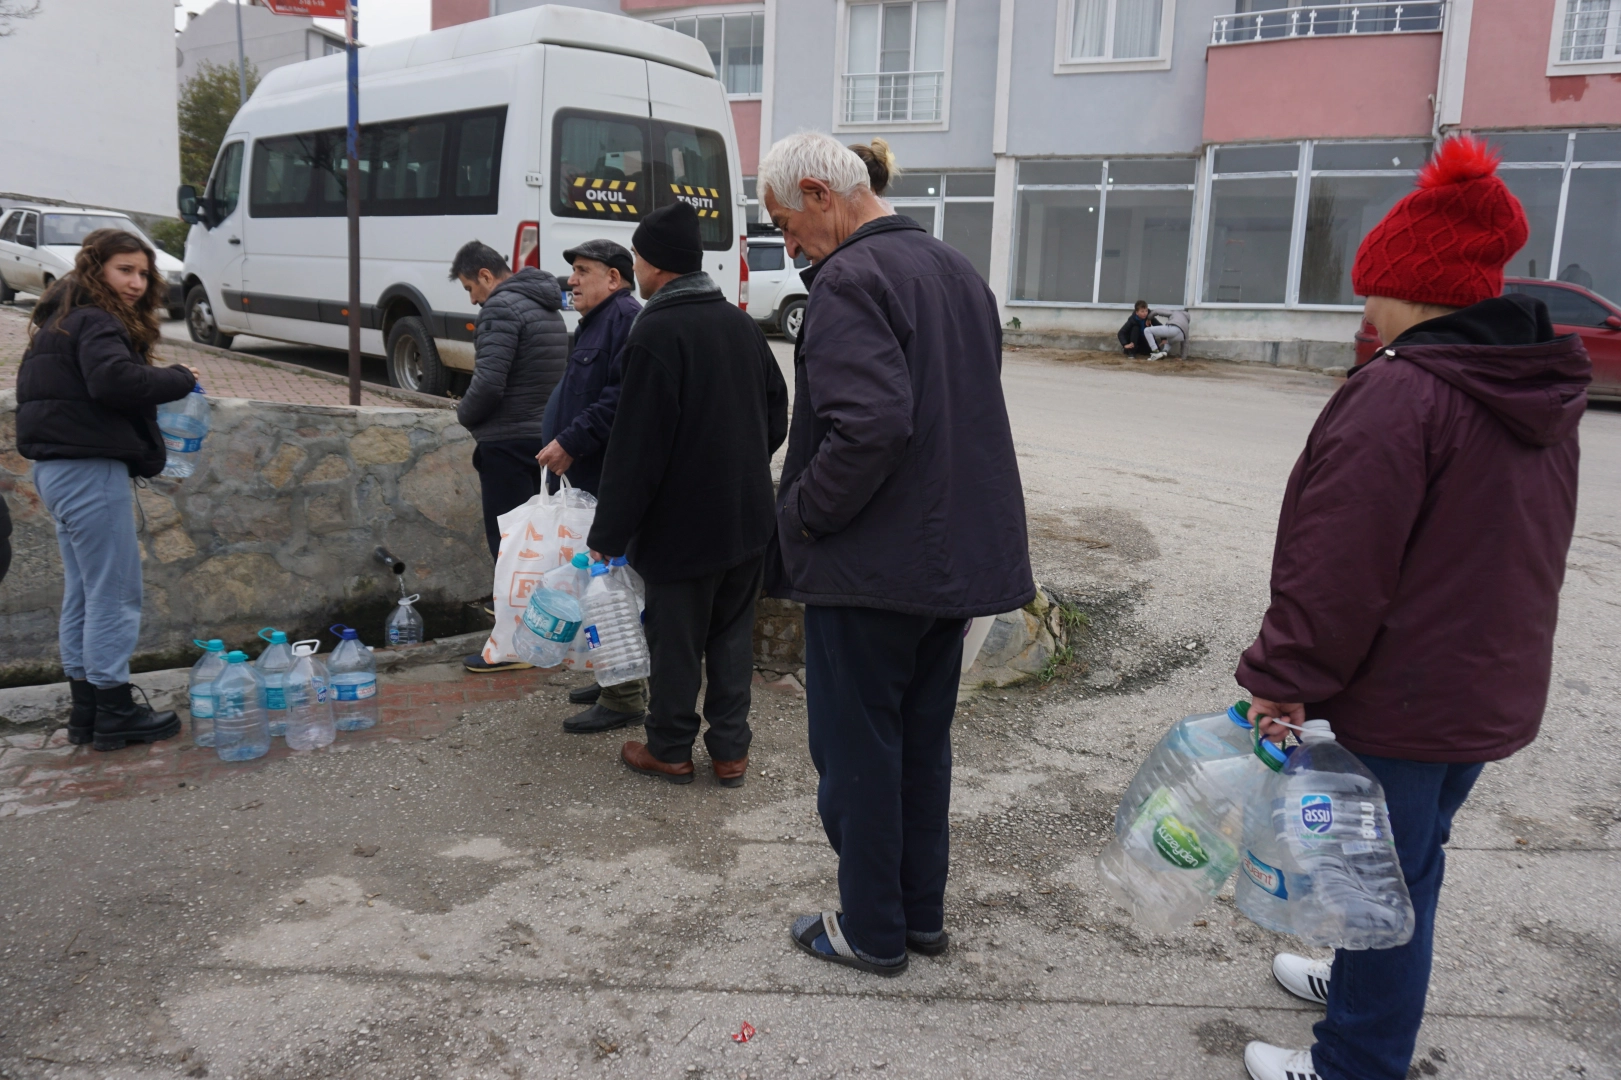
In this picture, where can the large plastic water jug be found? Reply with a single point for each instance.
(1178, 827)
(240, 730)
(574, 577)
(550, 621)
(1319, 861)
(620, 566)
(309, 706)
(404, 625)
(200, 690)
(353, 681)
(272, 666)
(613, 629)
(183, 424)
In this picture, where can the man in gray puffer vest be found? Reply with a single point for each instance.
(520, 353)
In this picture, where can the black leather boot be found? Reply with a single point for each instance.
(82, 720)
(119, 721)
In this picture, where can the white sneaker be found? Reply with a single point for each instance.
(1302, 976)
(1267, 1062)
(1157, 355)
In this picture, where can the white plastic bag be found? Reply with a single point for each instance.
(541, 535)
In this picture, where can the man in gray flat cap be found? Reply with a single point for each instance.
(579, 418)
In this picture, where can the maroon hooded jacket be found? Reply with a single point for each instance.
(1422, 542)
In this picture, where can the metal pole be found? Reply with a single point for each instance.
(351, 23)
(241, 61)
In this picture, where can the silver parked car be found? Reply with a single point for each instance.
(38, 244)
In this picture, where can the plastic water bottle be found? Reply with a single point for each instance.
(613, 629)
(404, 626)
(573, 577)
(353, 682)
(549, 623)
(1178, 826)
(618, 566)
(200, 690)
(273, 665)
(1319, 859)
(183, 423)
(309, 708)
(240, 730)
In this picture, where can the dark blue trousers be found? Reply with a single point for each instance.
(881, 690)
(1376, 996)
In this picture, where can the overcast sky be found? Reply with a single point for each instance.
(380, 20)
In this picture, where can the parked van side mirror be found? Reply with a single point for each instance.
(190, 211)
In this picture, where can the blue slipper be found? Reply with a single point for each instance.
(823, 937)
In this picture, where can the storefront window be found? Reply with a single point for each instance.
(1145, 207)
(1247, 261)
(1590, 256)
(1353, 186)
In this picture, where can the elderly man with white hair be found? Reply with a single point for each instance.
(900, 516)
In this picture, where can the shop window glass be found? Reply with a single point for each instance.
(1148, 171)
(971, 184)
(1145, 245)
(1057, 252)
(1247, 257)
(1538, 192)
(1061, 172)
(967, 227)
(1590, 255)
(1341, 211)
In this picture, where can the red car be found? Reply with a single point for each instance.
(1574, 310)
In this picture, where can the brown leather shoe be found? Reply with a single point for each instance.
(730, 773)
(636, 756)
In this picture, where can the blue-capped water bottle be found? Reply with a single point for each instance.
(184, 424)
(200, 690)
(240, 731)
(352, 678)
(272, 666)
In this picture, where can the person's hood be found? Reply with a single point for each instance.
(1503, 352)
(533, 284)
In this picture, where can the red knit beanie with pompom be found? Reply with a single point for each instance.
(1447, 242)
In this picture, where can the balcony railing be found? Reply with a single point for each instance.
(899, 97)
(1318, 20)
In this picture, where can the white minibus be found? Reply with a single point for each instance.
(532, 132)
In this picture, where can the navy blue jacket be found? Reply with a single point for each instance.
(901, 490)
(589, 395)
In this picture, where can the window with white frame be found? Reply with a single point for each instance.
(736, 44)
(1569, 183)
(1114, 31)
(1589, 31)
(894, 63)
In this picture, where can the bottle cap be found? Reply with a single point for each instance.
(1239, 713)
(345, 632)
(617, 560)
(1271, 754)
(598, 569)
(581, 560)
(197, 388)
(211, 645)
(275, 637)
(1316, 731)
(236, 656)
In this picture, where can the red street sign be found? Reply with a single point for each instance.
(318, 9)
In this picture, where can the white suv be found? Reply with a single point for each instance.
(776, 293)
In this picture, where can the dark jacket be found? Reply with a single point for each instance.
(1421, 547)
(84, 392)
(686, 482)
(901, 490)
(1131, 333)
(589, 395)
(520, 350)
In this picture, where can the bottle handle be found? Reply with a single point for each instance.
(267, 632)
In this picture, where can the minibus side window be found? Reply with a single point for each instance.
(477, 155)
(405, 159)
(225, 187)
(691, 167)
(599, 165)
(284, 170)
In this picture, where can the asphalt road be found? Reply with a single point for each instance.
(534, 910)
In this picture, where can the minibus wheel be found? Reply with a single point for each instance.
(200, 320)
(413, 359)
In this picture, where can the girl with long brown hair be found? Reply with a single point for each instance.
(87, 398)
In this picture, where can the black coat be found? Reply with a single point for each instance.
(901, 490)
(589, 395)
(520, 350)
(686, 483)
(84, 392)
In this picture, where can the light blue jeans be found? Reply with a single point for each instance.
(90, 500)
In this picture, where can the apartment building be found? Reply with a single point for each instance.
(1222, 155)
(269, 41)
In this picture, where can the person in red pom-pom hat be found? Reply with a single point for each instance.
(1415, 580)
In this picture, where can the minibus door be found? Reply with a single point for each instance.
(219, 257)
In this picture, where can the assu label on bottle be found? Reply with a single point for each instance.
(1317, 814)
(356, 691)
(544, 624)
(275, 697)
(180, 444)
(1266, 878)
(202, 706)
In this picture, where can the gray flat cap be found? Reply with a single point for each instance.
(604, 251)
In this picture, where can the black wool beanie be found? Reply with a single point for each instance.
(669, 239)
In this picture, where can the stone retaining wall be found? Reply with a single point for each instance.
(276, 528)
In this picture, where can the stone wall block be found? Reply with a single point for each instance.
(280, 468)
(331, 467)
(157, 510)
(442, 487)
(380, 445)
(327, 513)
(172, 545)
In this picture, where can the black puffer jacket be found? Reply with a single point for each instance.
(84, 392)
(521, 351)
